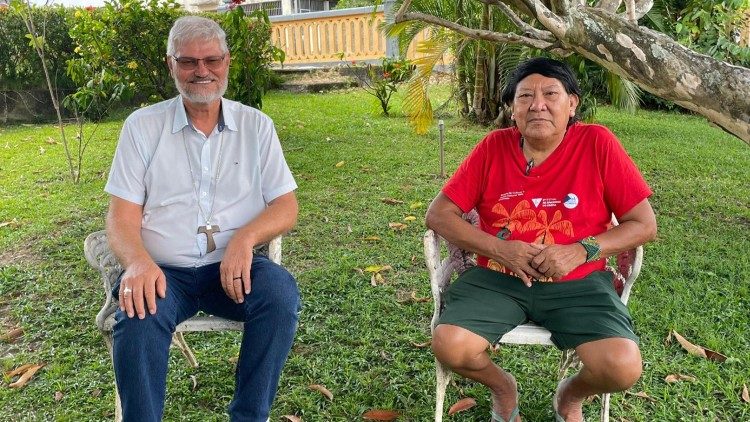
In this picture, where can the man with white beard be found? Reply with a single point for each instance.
(196, 183)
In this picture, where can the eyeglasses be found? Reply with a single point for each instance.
(191, 63)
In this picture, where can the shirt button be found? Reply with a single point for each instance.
(203, 194)
(205, 168)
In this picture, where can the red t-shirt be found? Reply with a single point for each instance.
(568, 197)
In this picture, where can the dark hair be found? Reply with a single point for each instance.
(546, 67)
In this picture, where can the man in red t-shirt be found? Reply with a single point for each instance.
(545, 192)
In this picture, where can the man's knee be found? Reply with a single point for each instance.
(621, 366)
(455, 347)
(276, 285)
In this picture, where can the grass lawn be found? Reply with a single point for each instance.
(356, 339)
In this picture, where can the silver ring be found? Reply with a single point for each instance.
(127, 291)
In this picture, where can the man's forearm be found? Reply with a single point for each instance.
(124, 232)
(278, 218)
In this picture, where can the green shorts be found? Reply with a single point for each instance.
(490, 304)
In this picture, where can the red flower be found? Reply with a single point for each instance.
(90, 8)
(386, 74)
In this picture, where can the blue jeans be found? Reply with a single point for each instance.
(270, 313)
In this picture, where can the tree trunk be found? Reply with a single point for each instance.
(480, 74)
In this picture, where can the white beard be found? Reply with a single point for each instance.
(201, 97)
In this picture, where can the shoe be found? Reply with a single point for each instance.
(498, 418)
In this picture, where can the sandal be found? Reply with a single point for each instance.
(513, 414)
(558, 418)
(498, 418)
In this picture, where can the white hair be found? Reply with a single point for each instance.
(191, 28)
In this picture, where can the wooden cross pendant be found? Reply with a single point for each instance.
(209, 230)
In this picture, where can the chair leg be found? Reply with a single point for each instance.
(605, 407)
(178, 339)
(118, 405)
(443, 378)
(568, 359)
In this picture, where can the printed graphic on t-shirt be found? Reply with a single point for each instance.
(524, 222)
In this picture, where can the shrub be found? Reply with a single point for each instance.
(127, 39)
(20, 67)
(382, 81)
(249, 39)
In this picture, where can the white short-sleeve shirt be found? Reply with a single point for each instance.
(158, 151)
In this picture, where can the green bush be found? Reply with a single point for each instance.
(20, 67)
(249, 39)
(126, 39)
(708, 27)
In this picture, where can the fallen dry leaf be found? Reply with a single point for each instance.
(26, 376)
(397, 226)
(465, 403)
(371, 238)
(19, 370)
(410, 218)
(377, 268)
(51, 141)
(590, 399)
(340, 164)
(194, 379)
(745, 394)
(8, 223)
(322, 390)
(96, 392)
(380, 415)
(292, 418)
(715, 356)
(391, 201)
(405, 296)
(672, 378)
(421, 345)
(59, 395)
(12, 335)
(415, 205)
(641, 394)
(419, 299)
(376, 279)
(698, 350)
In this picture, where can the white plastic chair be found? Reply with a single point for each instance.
(100, 257)
(627, 266)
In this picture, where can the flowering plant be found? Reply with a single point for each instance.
(382, 81)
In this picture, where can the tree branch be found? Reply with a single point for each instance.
(641, 7)
(527, 30)
(556, 25)
(561, 7)
(478, 34)
(665, 68)
(610, 6)
(398, 17)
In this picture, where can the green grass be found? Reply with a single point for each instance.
(357, 339)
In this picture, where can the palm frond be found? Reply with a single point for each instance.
(623, 94)
(417, 104)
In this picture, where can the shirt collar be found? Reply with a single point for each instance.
(226, 121)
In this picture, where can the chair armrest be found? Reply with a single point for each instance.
(439, 270)
(101, 258)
